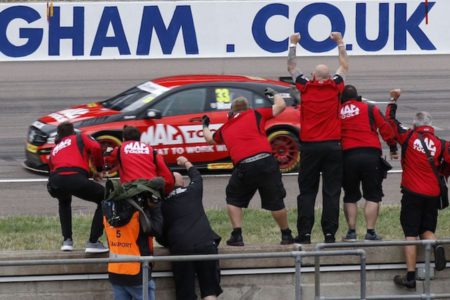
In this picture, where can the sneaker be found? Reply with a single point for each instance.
(67, 245)
(439, 258)
(96, 247)
(403, 282)
(303, 239)
(235, 240)
(329, 238)
(349, 237)
(287, 238)
(372, 237)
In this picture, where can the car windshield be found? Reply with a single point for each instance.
(135, 98)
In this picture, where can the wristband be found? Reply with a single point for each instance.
(292, 45)
(392, 99)
(341, 45)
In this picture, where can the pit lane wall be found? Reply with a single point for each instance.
(262, 279)
(218, 29)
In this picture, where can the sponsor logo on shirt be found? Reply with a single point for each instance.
(61, 145)
(349, 111)
(428, 142)
(136, 148)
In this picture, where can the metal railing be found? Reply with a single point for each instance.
(427, 244)
(145, 260)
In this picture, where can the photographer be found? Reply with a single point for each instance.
(187, 231)
(138, 205)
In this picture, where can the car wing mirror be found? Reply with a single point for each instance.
(153, 114)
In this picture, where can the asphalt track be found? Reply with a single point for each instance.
(31, 89)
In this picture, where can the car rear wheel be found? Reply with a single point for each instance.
(285, 148)
(109, 142)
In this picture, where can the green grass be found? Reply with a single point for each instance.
(44, 233)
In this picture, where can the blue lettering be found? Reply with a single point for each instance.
(33, 35)
(181, 20)
(383, 27)
(111, 16)
(76, 33)
(307, 13)
(259, 28)
(403, 25)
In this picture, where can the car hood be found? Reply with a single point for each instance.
(78, 113)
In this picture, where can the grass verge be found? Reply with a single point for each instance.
(43, 233)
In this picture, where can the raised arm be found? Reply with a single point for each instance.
(343, 61)
(291, 62)
(207, 134)
(278, 103)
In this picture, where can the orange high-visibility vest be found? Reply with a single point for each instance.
(122, 242)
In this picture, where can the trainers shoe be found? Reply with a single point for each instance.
(349, 237)
(372, 237)
(96, 247)
(329, 238)
(235, 240)
(287, 238)
(303, 239)
(403, 282)
(67, 245)
(439, 258)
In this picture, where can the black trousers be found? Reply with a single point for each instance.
(317, 157)
(80, 186)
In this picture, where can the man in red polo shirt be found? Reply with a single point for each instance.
(69, 176)
(320, 137)
(137, 160)
(361, 123)
(254, 166)
(420, 187)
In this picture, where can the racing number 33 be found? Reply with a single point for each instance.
(223, 95)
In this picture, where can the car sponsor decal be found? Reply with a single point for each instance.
(168, 135)
(38, 125)
(68, 114)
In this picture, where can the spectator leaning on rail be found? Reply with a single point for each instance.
(362, 159)
(419, 185)
(137, 160)
(320, 140)
(254, 166)
(186, 232)
(69, 175)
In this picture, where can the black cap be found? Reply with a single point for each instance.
(349, 92)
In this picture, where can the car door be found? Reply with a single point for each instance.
(179, 130)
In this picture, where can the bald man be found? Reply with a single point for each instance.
(320, 137)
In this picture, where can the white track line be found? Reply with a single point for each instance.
(24, 180)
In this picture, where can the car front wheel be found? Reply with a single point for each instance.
(108, 143)
(285, 148)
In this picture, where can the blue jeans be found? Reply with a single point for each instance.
(128, 292)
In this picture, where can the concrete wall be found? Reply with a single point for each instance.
(337, 277)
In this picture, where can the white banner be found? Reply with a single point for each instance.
(200, 29)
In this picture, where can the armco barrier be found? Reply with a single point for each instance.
(145, 260)
(427, 244)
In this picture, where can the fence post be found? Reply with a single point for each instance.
(363, 276)
(298, 277)
(317, 277)
(145, 280)
(427, 288)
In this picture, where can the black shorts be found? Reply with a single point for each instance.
(418, 214)
(207, 271)
(263, 175)
(362, 167)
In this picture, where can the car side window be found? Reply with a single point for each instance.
(184, 102)
(221, 97)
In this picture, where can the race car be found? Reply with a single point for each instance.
(168, 113)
